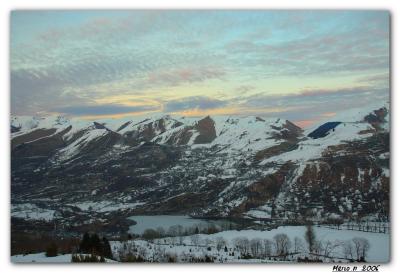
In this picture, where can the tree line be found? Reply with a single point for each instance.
(280, 247)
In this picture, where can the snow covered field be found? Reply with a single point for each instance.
(199, 245)
(31, 211)
(380, 243)
(41, 258)
(105, 206)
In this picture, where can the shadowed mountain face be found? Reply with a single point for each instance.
(323, 130)
(213, 166)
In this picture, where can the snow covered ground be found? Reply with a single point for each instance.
(380, 242)
(41, 258)
(198, 245)
(313, 148)
(32, 212)
(245, 134)
(105, 206)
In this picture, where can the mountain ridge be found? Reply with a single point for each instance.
(247, 167)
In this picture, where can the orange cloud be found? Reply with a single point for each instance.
(329, 114)
(205, 112)
(117, 116)
(304, 123)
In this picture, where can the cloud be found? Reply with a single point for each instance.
(107, 53)
(316, 103)
(244, 88)
(193, 103)
(34, 93)
(104, 109)
(69, 59)
(184, 75)
(377, 79)
(336, 44)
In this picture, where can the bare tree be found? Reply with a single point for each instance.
(220, 243)
(176, 231)
(348, 250)
(328, 247)
(173, 231)
(267, 247)
(180, 230)
(361, 246)
(318, 247)
(255, 246)
(181, 239)
(298, 245)
(161, 231)
(195, 239)
(282, 244)
(242, 243)
(150, 234)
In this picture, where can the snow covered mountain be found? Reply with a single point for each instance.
(212, 166)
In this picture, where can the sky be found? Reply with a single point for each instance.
(299, 65)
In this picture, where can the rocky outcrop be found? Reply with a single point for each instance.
(206, 129)
(377, 117)
(282, 147)
(288, 131)
(31, 136)
(180, 137)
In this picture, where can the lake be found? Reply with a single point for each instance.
(144, 222)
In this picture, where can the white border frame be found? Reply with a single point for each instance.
(7, 6)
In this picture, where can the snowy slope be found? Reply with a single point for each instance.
(75, 147)
(26, 124)
(352, 128)
(32, 212)
(246, 134)
(312, 148)
(351, 115)
(158, 161)
(236, 134)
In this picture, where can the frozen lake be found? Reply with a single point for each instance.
(144, 222)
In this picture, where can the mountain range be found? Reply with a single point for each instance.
(81, 173)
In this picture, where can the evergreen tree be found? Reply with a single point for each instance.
(106, 249)
(84, 246)
(310, 238)
(51, 250)
(95, 244)
(92, 244)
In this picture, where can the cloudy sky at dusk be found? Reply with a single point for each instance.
(299, 65)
